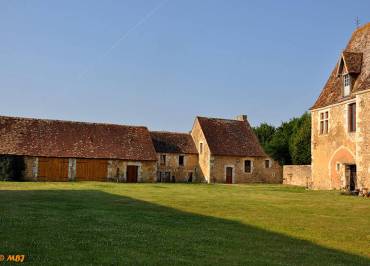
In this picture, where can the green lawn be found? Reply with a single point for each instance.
(165, 224)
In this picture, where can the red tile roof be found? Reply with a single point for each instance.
(230, 137)
(356, 59)
(66, 139)
(170, 142)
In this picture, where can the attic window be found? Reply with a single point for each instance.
(346, 84)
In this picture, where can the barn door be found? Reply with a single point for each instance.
(91, 170)
(132, 173)
(52, 169)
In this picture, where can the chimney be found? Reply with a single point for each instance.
(242, 118)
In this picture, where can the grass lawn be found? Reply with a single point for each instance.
(166, 224)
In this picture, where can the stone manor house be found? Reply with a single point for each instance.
(216, 150)
(341, 121)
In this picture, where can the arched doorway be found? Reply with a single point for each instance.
(342, 167)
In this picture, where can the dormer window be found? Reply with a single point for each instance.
(346, 85)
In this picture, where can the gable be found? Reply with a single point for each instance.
(230, 137)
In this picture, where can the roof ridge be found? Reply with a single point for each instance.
(217, 118)
(170, 132)
(69, 121)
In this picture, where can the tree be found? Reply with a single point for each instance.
(264, 133)
(290, 143)
(301, 141)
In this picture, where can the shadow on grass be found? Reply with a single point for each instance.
(65, 227)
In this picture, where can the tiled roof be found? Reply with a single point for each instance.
(230, 137)
(356, 59)
(352, 62)
(170, 142)
(66, 139)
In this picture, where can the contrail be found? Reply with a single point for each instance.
(125, 35)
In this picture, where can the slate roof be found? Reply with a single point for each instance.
(356, 59)
(66, 139)
(171, 142)
(230, 137)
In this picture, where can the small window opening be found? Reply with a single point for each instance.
(248, 166)
(181, 160)
(163, 159)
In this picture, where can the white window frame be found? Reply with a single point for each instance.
(346, 85)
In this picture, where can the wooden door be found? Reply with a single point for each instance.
(91, 170)
(132, 173)
(352, 177)
(229, 175)
(52, 169)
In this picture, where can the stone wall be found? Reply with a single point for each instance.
(297, 175)
(205, 156)
(259, 174)
(117, 170)
(31, 168)
(332, 151)
(363, 140)
(181, 173)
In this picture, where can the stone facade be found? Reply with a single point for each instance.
(116, 170)
(213, 167)
(331, 152)
(297, 175)
(204, 173)
(170, 168)
(260, 172)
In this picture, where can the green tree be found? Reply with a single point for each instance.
(264, 133)
(290, 143)
(300, 146)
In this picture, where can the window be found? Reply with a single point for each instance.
(324, 122)
(347, 85)
(181, 160)
(267, 163)
(201, 147)
(162, 159)
(352, 117)
(248, 166)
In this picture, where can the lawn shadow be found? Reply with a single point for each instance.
(79, 227)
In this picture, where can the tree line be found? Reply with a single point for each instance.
(289, 143)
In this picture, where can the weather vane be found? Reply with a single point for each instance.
(357, 22)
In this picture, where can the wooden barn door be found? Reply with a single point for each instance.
(52, 169)
(91, 170)
(132, 173)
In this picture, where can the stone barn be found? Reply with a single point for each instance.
(65, 151)
(177, 157)
(229, 152)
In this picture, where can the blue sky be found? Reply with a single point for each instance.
(161, 63)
